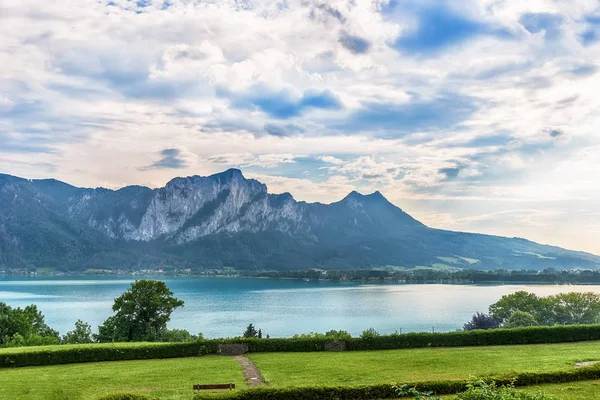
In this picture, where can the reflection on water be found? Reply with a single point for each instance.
(220, 307)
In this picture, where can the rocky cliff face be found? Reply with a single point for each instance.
(190, 208)
(226, 219)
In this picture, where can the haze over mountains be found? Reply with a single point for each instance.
(228, 220)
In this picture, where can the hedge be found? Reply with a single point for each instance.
(491, 337)
(126, 396)
(387, 391)
(72, 355)
(529, 335)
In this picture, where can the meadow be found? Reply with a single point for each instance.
(172, 379)
(414, 365)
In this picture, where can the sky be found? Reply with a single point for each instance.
(471, 115)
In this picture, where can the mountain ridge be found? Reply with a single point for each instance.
(226, 219)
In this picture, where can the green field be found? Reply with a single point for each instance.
(412, 365)
(166, 379)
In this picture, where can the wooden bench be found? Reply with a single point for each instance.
(220, 386)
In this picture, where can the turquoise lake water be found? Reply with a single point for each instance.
(223, 307)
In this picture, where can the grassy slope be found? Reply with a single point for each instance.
(168, 379)
(357, 368)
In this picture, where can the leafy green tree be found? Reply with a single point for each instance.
(141, 313)
(179, 335)
(369, 334)
(575, 308)
(250, 332)
(539, 307)
(24, 327)
(559, 309)
(81, 334)
(338, 335)
(520, 319)
(259, 334)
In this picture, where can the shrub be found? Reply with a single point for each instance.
(81, 334)
(481, 390)
(126, 396)
(481, 321)
(520, 319)
(369, 334)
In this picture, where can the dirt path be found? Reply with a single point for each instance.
(251, 372)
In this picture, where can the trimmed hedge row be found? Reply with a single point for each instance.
(84, 354)
(387, 391)
(529, 335)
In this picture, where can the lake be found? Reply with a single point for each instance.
(223, 307)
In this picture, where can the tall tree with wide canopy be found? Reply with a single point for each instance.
(141, 313)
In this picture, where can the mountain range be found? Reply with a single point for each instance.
(226, 220)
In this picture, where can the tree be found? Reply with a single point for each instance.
(539, 307)
(260, 334)
(520, 319)
(81, 334)
(24, 327)
(559, 309)
(370, 333)
(141, 313)
(481, 321)
(250, 332)
(179, 335)
(338, 335)
(575, 308)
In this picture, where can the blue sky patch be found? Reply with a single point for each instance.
(438, 28)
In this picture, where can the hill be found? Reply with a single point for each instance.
(228, 220)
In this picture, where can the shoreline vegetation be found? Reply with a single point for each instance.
(424, 275)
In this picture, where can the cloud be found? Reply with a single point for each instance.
(548, 23)
(284, 104)
(355, 44)
(331, 160)
(444, 111)
(325, 10)
(450, 173)
(584, 70)
(171, 159)
(283, 130)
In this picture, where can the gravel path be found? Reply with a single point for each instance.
(586, 364)
(251, 372)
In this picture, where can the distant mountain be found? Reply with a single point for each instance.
(228, 220)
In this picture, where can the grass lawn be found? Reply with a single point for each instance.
(166, 379)
(411, 365)
(569, 391)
